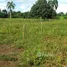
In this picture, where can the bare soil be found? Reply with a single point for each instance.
(8, 50)
(7, 64)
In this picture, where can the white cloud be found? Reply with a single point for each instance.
(62, 8)
(2, 6)
(18, 0)
(25, 8)
(22, 7)
(62, 1)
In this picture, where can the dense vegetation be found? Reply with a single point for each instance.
(41, 9)
(5, 14)
(33, 43)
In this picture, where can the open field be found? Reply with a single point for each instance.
(33, 43)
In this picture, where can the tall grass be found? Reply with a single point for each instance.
(44, 43)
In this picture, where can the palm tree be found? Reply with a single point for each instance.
(10, 6)
(53, 4)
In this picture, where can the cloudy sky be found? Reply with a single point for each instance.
(25, 5)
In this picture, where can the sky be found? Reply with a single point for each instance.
(25, 5)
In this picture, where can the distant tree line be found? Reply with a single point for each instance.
(61, 15)
(45, 9)
(15, 14)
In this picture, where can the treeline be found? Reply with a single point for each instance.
(61, 15)
(45, 9)
(15, 14)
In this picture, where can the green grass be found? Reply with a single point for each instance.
(44, 45)
(7, 58)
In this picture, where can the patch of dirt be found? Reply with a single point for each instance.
(65, 42)
(8, 64)
(8, 49)
(19, 50)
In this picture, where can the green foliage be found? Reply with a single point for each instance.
(3, 14)
(16, 14)
(61, 15)
(42, 9)
(53, 4)
(34, 58)
(25, 15)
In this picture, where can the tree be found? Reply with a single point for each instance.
(53, 4)
(1, 14)
(60, 14)
(25, 15)
(10, 6)
(4, 13)
(16, 14)
(0, 10)
(42, 9)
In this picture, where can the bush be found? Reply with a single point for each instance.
(34, 58)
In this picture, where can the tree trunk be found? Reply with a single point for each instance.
(10, 13)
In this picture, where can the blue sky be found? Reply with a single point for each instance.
(25, 5)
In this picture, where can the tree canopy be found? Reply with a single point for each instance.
(44, 9)
(53, 4)
(10, 6)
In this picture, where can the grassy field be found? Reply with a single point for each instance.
(33, 43)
